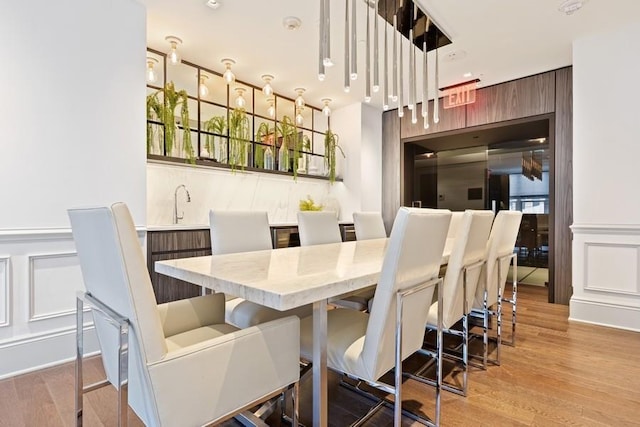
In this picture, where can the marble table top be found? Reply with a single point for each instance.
(289, 277)
(285, 278)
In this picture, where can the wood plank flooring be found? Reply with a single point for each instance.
(558, 374)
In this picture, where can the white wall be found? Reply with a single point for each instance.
(606, 207)
(72, 126)
(359, 128)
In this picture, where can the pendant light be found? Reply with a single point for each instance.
(326, 59)
(321, 70)
(299, 99)
(385, 78)
(376, 70)
(425, 87)
(436, 100)
(203, 90)
(267, 89)
(394, 87)
(299, 116)
(411, 76)
(367, 55)
(152, 77)
(228, 75)
(354, 41)
(272, 108)
(347, 77)
(400, 61)
(326, 110)
(173, 56)
(240, 101)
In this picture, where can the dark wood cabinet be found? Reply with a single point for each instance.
(172, 244)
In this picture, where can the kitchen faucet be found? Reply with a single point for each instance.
(176, 217)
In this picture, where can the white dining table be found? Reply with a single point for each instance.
(288, 278)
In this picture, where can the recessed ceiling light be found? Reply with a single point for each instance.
(291, 22)
(467, 74)
(455, 55)
(214, 4)
(569, 7)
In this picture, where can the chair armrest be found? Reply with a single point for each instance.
(197, 384)
(184, 315)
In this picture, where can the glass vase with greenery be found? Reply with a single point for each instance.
(239, 136)
(218, 126)
(330, 145)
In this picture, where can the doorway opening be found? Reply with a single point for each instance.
(504, 166)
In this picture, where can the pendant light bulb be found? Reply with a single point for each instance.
(267, 89)
(299, 117)
(326, 110)
(173, 56)
(228, 75)
(151, 73)
(203, 90)
(240, 101)
(299, 99)
(272, 109)
(385, 107)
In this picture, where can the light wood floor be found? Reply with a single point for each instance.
(558, 374)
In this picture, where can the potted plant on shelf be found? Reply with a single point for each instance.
(264, 156)
(217, 125)
(287, 130)
(155, 112)
(303, 143)
(166, 113)
(309, 205)
(330, 145)
(239, 136)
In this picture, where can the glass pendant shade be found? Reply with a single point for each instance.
(326, 110)
(152, 77)
(240, 101)
(203, 90)
(267, 89)
(228, 75)
(173, 56)
(299, 99)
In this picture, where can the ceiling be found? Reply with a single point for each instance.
(496, 40)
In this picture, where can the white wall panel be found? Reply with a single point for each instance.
(5, 291)
(612, 268)
(54, 280)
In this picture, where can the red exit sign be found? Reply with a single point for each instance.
(460, 94)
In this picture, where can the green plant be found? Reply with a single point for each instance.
(309, 205)
(330, 145)
(166, 113)
(218, 125)
(266, 135)
(287, 131)
(155, 111)
(238, 137)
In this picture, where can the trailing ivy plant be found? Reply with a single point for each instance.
(155, 111)
(218, 125)
(287, 131)
(266, 135)
(239, 136)
(166, 113)
(330, 145)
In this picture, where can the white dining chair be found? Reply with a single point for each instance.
(368, 225)
(490, 291)
(175, 364)
(246, 231)
(367, 345)
(318, 228)
(460, 281)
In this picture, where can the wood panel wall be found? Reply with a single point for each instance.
(563, 186)
(391, 166)
(546, 93)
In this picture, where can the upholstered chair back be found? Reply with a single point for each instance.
(237, 231)
(318, 228)
(369, 225)
(114, 271)
(469, 246)
(413, 256)
(502, 241)
(454, 226)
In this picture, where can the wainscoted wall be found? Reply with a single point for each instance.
(70, 156)
(543, 96)
(606, 228)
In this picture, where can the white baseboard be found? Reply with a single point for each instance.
(605, 314)
(42, 351)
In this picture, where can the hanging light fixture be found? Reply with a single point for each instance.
(326, 59)
(326, 110)
(203, 90)
(173, 55)
(385, 78)
(299, 98)
(321, 40)
(240, 101)
(347, 77)
(367, 55)
(228, 75)
(411, 76)
(425, 87)
(400, 61)
(267, 89)
(151, 74)
(299, 116)
(354, 41)
(272, 109)
(394, 87)
(376, 67)
(436, 99)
